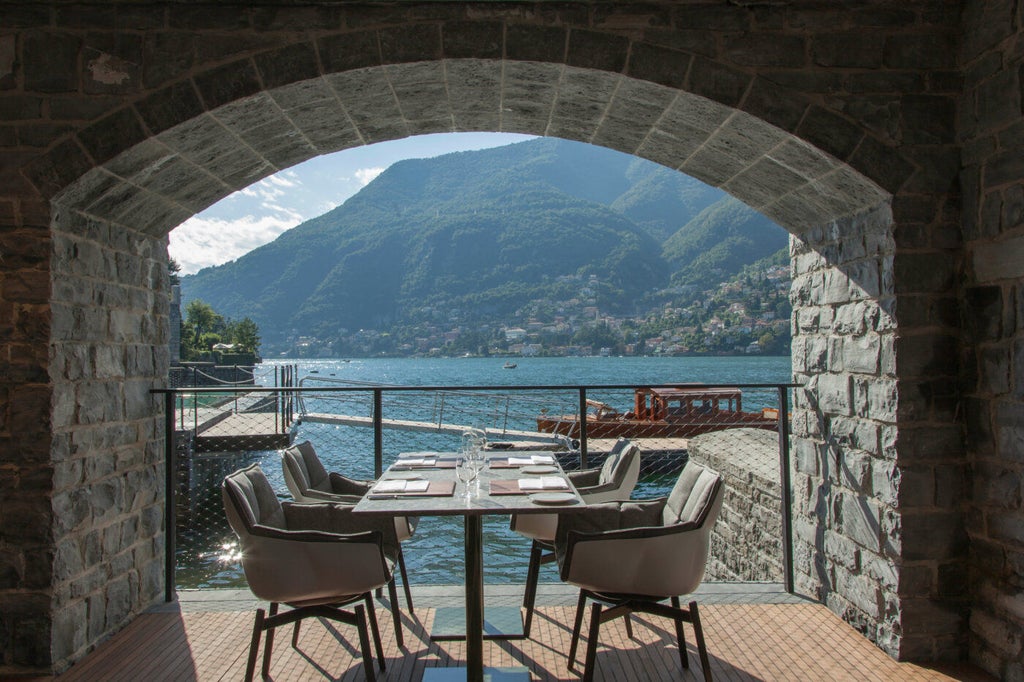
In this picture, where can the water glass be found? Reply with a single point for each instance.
(466, 472)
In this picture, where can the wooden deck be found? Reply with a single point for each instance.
(746, 642)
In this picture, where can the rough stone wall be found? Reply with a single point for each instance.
(746, 542)
(109, 349)
(26, 517)
(844, 421)
(992, 297)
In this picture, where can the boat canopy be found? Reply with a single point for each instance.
(685, 402)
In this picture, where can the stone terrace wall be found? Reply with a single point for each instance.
(746, 543)
(844, 421)
(109, 329)
(992, 299)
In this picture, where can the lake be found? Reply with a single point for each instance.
(206, 551)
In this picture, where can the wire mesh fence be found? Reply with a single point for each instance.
(360, 430)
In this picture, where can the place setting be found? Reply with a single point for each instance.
(396, 487)
(529, 464)
(408, 461)
(541, 489)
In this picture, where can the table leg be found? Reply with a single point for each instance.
(474, 598)
(474, 670)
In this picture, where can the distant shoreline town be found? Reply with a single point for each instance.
(747, 315)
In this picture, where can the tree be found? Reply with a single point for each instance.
(245, 335)
(173, 270)
(203, 327)
(203, 317)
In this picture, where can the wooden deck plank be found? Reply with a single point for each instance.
(745, 642)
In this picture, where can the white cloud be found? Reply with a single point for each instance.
(201, 242)
(366, 175)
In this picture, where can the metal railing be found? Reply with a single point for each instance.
(359, 429)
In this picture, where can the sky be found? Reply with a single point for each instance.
(259, 213)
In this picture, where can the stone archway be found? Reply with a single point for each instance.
(118, 184)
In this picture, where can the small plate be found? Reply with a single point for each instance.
(539, 469)
(552, 498)
(403, 476)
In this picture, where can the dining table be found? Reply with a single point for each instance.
(425, 484)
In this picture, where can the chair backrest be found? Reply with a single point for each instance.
(692, 497)
(622, 471)
(250, 500)
(304, 471)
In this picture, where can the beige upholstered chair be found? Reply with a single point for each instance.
(614, 480)
(309, 482)
(631, 556)
(314, 558)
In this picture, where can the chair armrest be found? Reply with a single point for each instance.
(343, 485)
(338, 519)
(332, 497)
(584, 478)
(312, 535)
(608, 516)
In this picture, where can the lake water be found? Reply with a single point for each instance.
(207, 554)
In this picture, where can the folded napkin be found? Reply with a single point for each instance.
(543, 483)
(401, 486)
(532, 459)
(417, 461)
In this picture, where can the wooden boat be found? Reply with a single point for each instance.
(664, 413)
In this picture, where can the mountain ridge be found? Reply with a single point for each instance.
(487, 232)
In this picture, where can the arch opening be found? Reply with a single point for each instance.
(110, 329)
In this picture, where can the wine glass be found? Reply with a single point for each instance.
(466, 471)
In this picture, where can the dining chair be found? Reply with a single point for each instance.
(308, 481)
(614, 480)
(630, 557)
(307, 557)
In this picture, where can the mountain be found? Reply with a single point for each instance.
(720, 240)
(483, 234)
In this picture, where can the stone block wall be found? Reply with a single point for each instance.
(746, 543)
(992, 342)
(109, 349)
(844, 422)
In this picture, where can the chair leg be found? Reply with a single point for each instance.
(629, 626)
(254, 644)
(576, 630)
(375, 630)
(591, 660)
(268, 647)
(684, 658)
(405, 580)
(295, 634)
(396, 613)
(698, 634)
(530, 594)
(364, 643)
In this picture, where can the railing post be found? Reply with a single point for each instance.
(786, 488)
(583, 427)
(378, 433)
(170, 489)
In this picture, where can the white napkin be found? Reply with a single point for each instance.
(531, 459)
(543, 483)
(401, 486)
(417, 461)
(389, 487)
